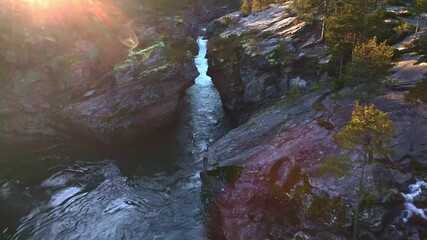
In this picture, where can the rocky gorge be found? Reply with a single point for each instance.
(265, 174)
(261, 180)
(62, 81)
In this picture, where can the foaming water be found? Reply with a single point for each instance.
(150, 190)
(410, 208)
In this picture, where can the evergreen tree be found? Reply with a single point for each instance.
(257, 5)
(368, 134)
(421, 5)
(316, 8)
(370, 66)
(353, 22)
(246, 7)
(253, 5)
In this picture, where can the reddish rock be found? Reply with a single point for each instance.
(285, 136)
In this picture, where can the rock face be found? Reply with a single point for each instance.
(144, 96)
(262, 56)
(114, 87)
(280, 193)
(410, 70)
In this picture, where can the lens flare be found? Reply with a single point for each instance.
(45, 3)
(75, 17)
(129, 38)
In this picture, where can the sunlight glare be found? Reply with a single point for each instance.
(45, 3)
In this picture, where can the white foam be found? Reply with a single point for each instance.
(410, 208)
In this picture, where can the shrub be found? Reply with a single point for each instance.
(281, 54)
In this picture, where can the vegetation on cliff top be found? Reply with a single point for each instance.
(253, 5)
(368, 135)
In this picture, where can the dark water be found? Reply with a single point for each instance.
(150, 190)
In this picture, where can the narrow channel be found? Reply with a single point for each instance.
(150, 190)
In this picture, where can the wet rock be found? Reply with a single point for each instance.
(83, 197)
(14, 202)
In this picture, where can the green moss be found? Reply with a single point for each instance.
(155, 70)
(144, 53)
(125, 65)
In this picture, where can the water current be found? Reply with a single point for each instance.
(148, 190)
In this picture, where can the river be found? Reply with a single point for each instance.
(148, 190)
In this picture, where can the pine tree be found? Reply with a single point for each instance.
(316, 8)
(369, 67)
(368, 134)
(421, 6)
(253, 5)
(261, 4)
(246, 7)
(352, 22)
(257, 5)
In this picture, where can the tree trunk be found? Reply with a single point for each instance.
(322, 35)
(416, 30)
(359, 200)
(341, 63)
(326, 13)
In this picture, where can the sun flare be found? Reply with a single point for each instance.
(66, 11)
(63, 21)
(45, 3)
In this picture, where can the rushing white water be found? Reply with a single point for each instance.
(202, 63)
(410, 208)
